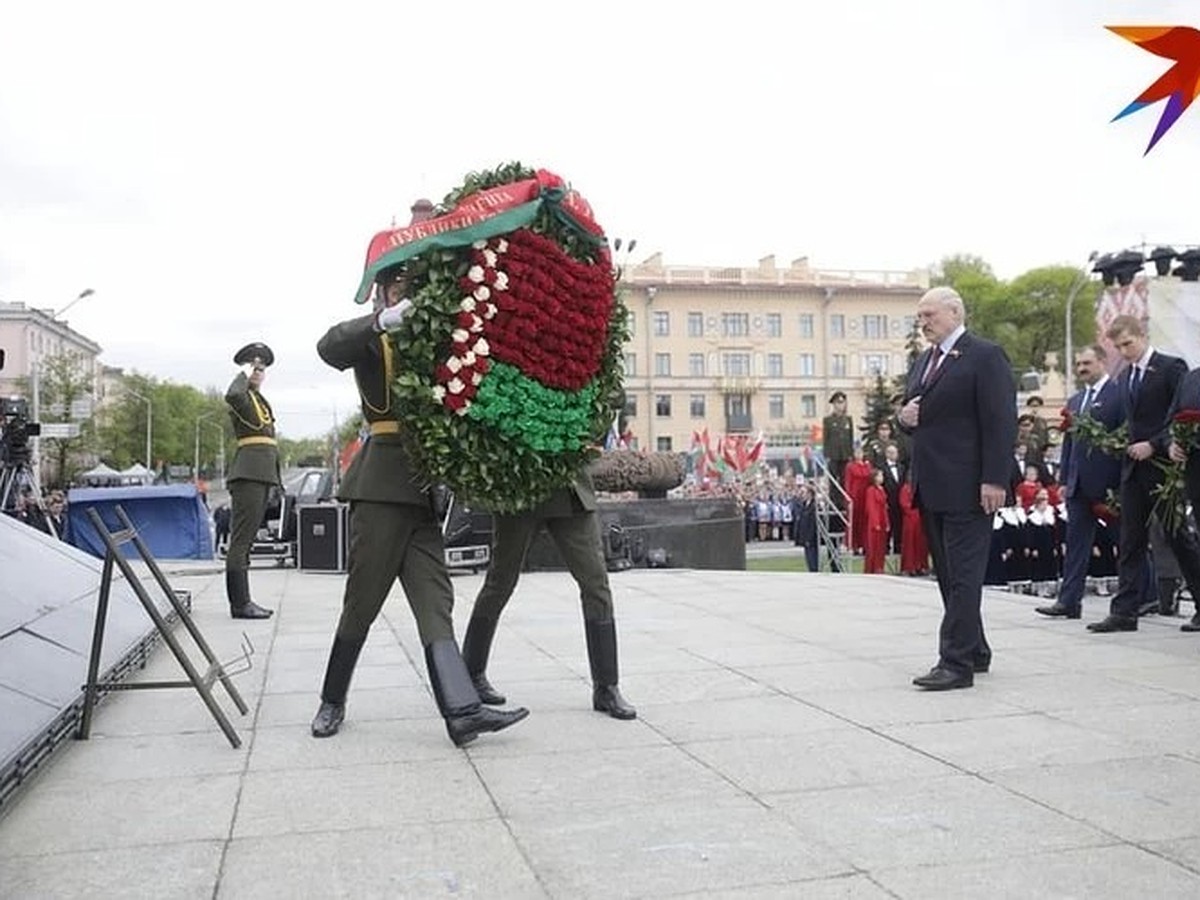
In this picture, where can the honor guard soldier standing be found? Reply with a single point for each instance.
(393, 531)
(255, 470)
(569, 514)
(837, 433)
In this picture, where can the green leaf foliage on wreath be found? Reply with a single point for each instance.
(491, 461)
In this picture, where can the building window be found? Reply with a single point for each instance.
(662, 405)
(808, 406)
(695, 324)
(806, 325)
(735, 365)
(696, 406)
(631, 323)
(630, 406)
(663, 444)
(737, 406)
(775, 406)
(837, 326)
(808, 364)
(837, 365)
(910, 324)
(662, 363)
(774, 365)
(696, 365)
(774, 325)
(875, 364)
(735, 324)
(875, 327)
(662, 323)
(630, 365)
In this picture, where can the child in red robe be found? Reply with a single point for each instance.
(878, 524)
(914, 547)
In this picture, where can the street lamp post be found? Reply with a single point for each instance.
(1069, 361)
(149, 423)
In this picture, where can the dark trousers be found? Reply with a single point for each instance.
(390, 541)
(249, 502)
(1137, 505)
(958, 543)
(1081, 534)
(812, 556)
(578, 540)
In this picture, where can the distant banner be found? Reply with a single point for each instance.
(1169, 307)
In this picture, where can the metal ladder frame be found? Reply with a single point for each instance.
(217, 671)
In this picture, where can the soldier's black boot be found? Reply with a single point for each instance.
(602, 655)
(477, 644)
(237, 588)
(343, 657)
(466, 718)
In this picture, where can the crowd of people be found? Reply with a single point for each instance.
(47, 514)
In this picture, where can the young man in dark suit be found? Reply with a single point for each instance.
(960, 408)
(1088, 474)
(1148, 387)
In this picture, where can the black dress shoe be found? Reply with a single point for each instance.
(1059, 611)
(1114, 623)
(465, 728)
(250, 610)
(982, 666)
(607, 699)
(940, 679)
(328, 720)
(1191, 625)
(488, 695)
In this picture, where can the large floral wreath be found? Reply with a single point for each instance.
(510, 364)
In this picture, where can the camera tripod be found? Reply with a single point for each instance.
(16, 478)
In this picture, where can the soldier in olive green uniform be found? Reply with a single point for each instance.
(393, 534)
(569, 515)
(838, 436)
(255, 470)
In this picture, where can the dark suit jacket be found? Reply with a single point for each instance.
(1088, 473)
(1149, 415)
(1187, 396)
(966, 427)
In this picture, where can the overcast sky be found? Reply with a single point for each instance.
(214, 171)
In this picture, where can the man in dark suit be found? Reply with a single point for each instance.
(1187, 397)
(960, 407)
(893, 477)
(1088, 473)
(569, 515)
(1147, 387)
(394, 533)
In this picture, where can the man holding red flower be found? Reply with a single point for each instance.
(1184, 450)
(1088, 473)
(1148, 387)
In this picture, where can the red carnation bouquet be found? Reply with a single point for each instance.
(1171, 503)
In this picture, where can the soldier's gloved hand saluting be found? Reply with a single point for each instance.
(390, 317)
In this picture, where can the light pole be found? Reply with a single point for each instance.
(35, 455)
(196, 456)
(149, 422)
(1069, 361)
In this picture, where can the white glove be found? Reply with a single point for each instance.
(390, 317)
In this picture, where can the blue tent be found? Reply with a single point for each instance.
(171, 519)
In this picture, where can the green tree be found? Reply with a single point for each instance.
(879, 407)
(65, 392)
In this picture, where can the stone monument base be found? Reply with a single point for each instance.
(686, 533)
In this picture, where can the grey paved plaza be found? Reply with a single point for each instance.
(780, 751)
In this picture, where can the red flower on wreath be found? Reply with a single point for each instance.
(528, 304)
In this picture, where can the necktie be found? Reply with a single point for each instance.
(1086, 408)
(1135, 382)
(933, 364)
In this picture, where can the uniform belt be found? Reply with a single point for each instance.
(256, 439)
(385, 426)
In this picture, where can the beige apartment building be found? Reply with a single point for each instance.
(28, 336)
(744, 350)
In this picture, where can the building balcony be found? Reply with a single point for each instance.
(738, 384)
